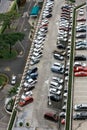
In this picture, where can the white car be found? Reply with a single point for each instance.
(28, 93)
(80, 64)
(80, 107)
(62, 114)
(57, 79)
(65, 94)
(64, 108)
(59, 87)
(53, 83)
(13, 80)
(58, 64)
(55, 91)
(37, 50)
(81, 12)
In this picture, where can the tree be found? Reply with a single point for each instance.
(10, 39)
(8, 17)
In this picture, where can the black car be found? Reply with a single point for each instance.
(33, 70)
(49, 16)
(55, 98)
(80, 116)
(81, 36)
(80, 57)
(57, 70)
(61, 46)
(81, 30)
(34, 75)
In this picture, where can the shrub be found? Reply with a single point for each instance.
(27, 124)
(20, 124)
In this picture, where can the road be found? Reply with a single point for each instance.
(15, 66)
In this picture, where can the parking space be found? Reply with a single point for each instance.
(80, 79)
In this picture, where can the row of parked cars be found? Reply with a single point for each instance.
(57, 91)
(80, 67)
(38, 43)
(66, 26)
(36, 53)
(28, 85)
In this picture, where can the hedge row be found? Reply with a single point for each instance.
(12, 120)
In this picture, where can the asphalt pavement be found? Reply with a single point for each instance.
(15, 66)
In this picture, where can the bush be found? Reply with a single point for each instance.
(27, 124)
(20, 124)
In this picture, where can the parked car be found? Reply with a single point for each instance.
(63, 121)
(57, 69)
(81, 12)
(51, 116)
(79, 64)
(58, 57)
(13, 79)
(55, 91)
(64, 108)
(25, 101)
(49, 16)
(81, 47)
(62, 114)
(55, 98)
(35, 61)
(58, 79)
(33, 70)
(28, 93)
(61, 46)
(80, 57)
(80, 74)
(81, 36)
(80, 107)
(80, 116)
(81, 19)
(80, 68)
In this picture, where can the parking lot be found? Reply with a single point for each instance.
(80, 86)
(34, 113)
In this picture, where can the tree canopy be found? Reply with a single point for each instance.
(8, 17)
(10, 38)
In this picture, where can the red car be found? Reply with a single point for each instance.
(25, 101)
(63, 28)
(63, 121)
(65, 10)
(51, 116)
(80, 20)
(80, 74)
(80, 68)
(43, 25)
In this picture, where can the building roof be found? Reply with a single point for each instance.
(35, 10)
